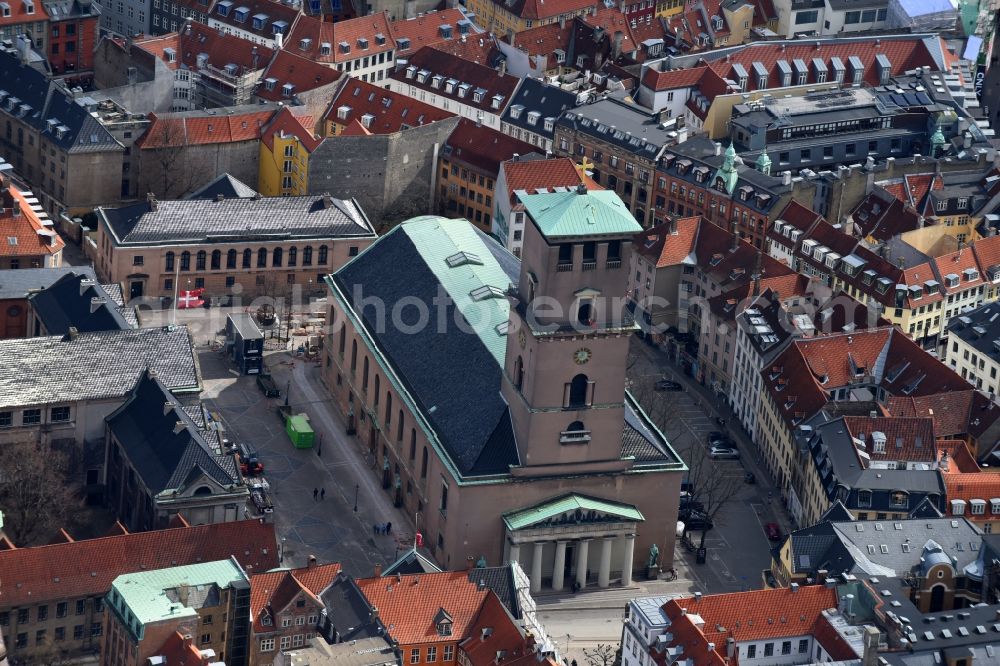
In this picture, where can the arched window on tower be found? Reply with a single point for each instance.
(423, 464)
(575, 433)
(518, 373)
(579, 392)
(585, 312)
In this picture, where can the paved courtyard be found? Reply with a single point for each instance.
(330, 529)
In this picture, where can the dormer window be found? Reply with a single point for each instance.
(29, 7)
(241, 14)
(550, 124)
(515, 111)
(367, 120)
(344, 112)
(497, 101)
(305, 44)
(169, 55)
(287, 89)
(362, 43)
(463, 89)
(259, 21)
(477, 96)
(344, 47)
(325, 48)
(533, 117)
(223, 7)
(436, 81)
(411, 72)
(443, 622)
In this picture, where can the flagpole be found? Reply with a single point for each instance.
(177, 277)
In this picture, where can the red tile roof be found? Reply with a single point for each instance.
(426, 30)
(286, 123)
(744, 616)
(905, 438)
(951, 411)
(982, 485)
(391, 111)
(612, 21)
(24, 235)
(19, 14)
(408, 604)
(483, 81)
(180, 651)
(960, 458)
(302, 73)
(532, 175)
(545, 39)
(672, 79)
(481, 50)
(196, 39)
(483, 147)
(87, 568)
(277, 589)
(176, 130)
(373, 28)
(904, 53)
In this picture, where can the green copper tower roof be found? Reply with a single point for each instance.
(538, 513)
(580, 214)
(937, 140)
(727, 171)
(764, 163)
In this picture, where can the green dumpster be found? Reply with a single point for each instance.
(300, 432)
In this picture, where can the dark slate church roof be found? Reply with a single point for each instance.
(454, 375)
(164, 445)
(226, 185)
(76, 300)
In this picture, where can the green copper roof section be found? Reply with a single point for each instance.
(141, 598)
(764, 163)
(533, 515)
(574, 214)
(467, 270)
(727, 170)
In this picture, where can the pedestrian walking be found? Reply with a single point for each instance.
(315, 493)
(322, 493)
(388, 528)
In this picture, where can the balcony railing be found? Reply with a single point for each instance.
(590, 265)
(564, 267)
(613, 264)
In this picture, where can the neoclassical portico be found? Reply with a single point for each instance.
(571, 539)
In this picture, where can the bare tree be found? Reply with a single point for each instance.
(602, 655)
(47, 653)
(712, 490)
(36, 493)
(175, 169)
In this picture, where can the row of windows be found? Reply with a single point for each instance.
(277, 258)
(59, 634)
(42, 612)
(33, 416)
(447, 654)
(287, 642)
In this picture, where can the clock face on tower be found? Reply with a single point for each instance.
(581, 355)
(522, 339)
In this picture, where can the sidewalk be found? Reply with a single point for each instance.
(714, 407)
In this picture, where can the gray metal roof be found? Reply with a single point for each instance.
(548, 101)
(259, 219)
(626, 125)
(93, 366)
(225, 185)
(986, 318)
(18, 283)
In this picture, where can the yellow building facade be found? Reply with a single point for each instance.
(284, 166)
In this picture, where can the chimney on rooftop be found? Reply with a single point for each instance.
(95, 304)
(581, 188)
(71, 334)
(220, 196)
(794, 587)
(311, 562)
(15, 208)
(178, 426)
(378, 570)
(327, 200)
(151, 200)
(870, 654)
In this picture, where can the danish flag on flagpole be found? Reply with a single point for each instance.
(190, 299)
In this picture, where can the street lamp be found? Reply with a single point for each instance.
(288, 389)
(355, 498)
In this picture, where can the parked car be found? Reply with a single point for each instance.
(267, 386)
(723, 453)
(773, 531)
(696, 520)
(667, 385)
(687, 505)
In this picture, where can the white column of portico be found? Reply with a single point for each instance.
(536, 568)
(559, 566)
(581, 563)
(515, 552)
(627, 564)
(604, 573)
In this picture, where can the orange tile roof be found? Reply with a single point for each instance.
(745, 616)
(545, 39)
(87, 568)
(540, 9)
(672, 79)
(355, 128)
(407, 605)
(531, 175)
(481, 647)
(664, 249)
(19, 14)
(277, 589)
(983, 485)
(286, 123)
(302, 73)
(197, 38)
(24, 235)
(176, 130)
(987, 251)
(612, 20)
(960, 458)
(426, 30)
(484, 147)
(392, 111)
(372, 28)
(481, 50)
